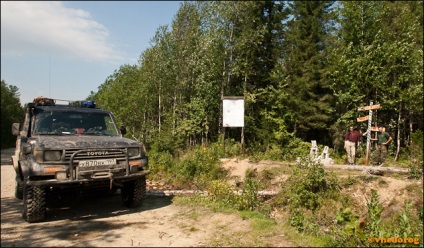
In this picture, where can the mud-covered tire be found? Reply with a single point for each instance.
(34, 203)
(133, 192)
(19, 190)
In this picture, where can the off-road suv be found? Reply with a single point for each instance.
(74, 146)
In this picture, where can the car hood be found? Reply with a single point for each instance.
(81, 141)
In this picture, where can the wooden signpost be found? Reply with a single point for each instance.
(370, 108)
(361, 119)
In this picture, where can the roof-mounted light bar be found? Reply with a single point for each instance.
(88, 104)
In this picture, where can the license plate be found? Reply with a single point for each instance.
(97, 162)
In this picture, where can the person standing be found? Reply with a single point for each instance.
(351, 137)
(383, 140)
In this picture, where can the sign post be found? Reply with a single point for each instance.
(368, 135)
(370, 108)
(232, 114)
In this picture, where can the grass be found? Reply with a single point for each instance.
(264, 232)
(320, 228)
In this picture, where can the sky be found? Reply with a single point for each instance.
(67, 49)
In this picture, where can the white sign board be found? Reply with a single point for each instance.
(233, 112)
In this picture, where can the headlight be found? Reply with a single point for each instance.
(133, 151)
(52, 155)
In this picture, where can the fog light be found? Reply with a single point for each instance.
(60, 175)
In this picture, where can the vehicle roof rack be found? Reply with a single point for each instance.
(43, 101)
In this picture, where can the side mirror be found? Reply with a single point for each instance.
(123, 130)
(15, 129)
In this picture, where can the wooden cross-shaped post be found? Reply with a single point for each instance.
(371, 107)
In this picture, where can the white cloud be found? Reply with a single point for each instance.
(45, 27)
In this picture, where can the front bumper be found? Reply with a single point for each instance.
(74, 175)
(104, 176)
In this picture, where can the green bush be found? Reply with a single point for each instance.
(196, 168)
(233, 149)
(311, 184)
(416, 164)
(161, 163)
(296, 148)
(220, 190)
(199, 165)
(247, 199)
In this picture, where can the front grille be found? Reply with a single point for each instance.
(119, 154)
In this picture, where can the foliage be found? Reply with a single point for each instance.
(197, 168)
(318, 208)
(220, 190)
(373, 227)
(247, 199)
(305, 73)
(404, 229)
(310, 185)
(11, 112)
(303, 67)
(416, 164)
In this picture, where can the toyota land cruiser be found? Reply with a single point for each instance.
(73, 146)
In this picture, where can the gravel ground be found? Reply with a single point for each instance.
(103, 221)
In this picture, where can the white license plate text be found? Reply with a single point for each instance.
(97, 162)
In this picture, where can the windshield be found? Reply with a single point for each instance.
(73, 122)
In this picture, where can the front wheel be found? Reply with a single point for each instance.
(133, 192)
(19, 190)
(34, 203)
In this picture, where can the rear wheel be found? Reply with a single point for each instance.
(34, 203)
(133, 192)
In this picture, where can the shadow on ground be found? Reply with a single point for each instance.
(68, 217)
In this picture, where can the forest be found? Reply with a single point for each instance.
(303, 68)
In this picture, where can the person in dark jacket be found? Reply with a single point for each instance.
(351, 137)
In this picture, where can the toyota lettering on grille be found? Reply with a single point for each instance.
(97, 153)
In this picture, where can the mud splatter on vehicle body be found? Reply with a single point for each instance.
(67, 146)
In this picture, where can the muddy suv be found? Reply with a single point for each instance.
(62, 147)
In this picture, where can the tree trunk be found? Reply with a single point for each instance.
(174, 117)
(242, 129)
(206, 137)
(143, 138)
(159, 103)
(221, 114)
(411, 127)
(398, 132)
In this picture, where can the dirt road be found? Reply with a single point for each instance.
(102, 220)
